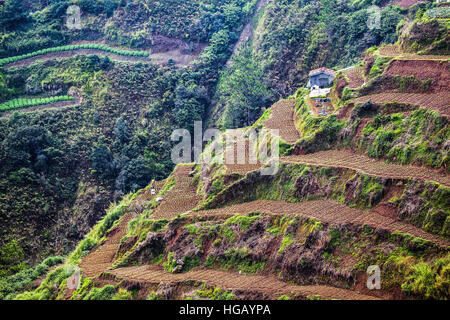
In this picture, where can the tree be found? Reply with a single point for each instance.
(122, 133)
(12, 14)
(102, 162)
(190, 104)
(242, 90)
(31, 146)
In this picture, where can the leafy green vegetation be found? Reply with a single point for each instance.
(318, 133)
(416, 138)
(240, 259)
(89, 46)
(25, 103)
(9, 286)
(105, 293)
(216, 293)
(241, 91)
(429, 282)
(244, 221)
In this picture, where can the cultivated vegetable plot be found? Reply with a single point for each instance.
(355, 77)
(325, 211)
(437, 101)
(268, 285)
(235, 167)
(181, 198)
(436, 72)
(102, 258)
(282, 118)
(89, 46)
(394, 51)
(31, 102)
(350, 160)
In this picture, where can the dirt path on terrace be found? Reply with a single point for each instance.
(350, 160)
(101, 258)
(181, 198)
(282, 118)
(393, 51)
(435, 101)
(325, 211)
(355, 77)
(160, 58)
(269, 285)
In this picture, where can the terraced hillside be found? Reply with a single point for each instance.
(348, 159)
(102, 257)
(393, 51)
(181, 198)
(264, 285)
(435, 101)
(282, 118)
(355, 77)
(365, 185)
(327, 212)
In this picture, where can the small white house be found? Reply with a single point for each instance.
(322, 77)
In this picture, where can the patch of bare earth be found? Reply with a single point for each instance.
(282, 118)
(181, 198)
(268, 285)
(436, 101)
(350, 160)
(438, 72)
(355, 77)
(325, 211)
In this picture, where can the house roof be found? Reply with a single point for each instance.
(322, 70)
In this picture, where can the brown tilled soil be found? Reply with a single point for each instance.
(181, 198)
(437, 71)
(436, 101)
(101, 258)
(350, 160)
(235, 166)
(406, 3)
(282, 118)
(355, 77)
(393, 51)
(269, 285)
(325, 211)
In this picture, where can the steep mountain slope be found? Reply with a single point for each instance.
(344, 198)
(288, 39)
(130, 78)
